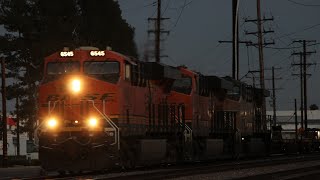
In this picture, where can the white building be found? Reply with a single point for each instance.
(287, 121)
(26, 146)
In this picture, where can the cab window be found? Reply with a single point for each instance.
(234, 94)
(127, 72)
(182, 85)
(56, 68)
(108, 71)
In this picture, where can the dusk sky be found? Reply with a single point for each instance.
(196, 26)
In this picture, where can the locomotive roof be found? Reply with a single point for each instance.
(236, 82)
(219, 83)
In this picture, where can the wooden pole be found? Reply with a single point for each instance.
(4, 116)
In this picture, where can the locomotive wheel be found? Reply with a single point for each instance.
(131, 160)
(128, 164)
(128, 160)
(43, 172)
(172, 156)
(62, 173)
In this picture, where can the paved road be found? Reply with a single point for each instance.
(19, 172)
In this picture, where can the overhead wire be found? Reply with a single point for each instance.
(138, 7)
(295, 32)
(179, 16)
(166, 8)
(290, 48)
(303, 4)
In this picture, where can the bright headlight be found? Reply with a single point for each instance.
(52, 123)
(75, 85)
(93, 122)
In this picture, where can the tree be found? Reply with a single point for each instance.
(313, 107)
(36, 28)
(102, 25)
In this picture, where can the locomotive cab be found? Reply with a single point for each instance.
(79, 107)
(96, 108)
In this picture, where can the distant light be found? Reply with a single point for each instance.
(76, 121)
(242, 139)
(66, 54)
(97, 53)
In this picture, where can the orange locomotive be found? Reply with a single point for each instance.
(98, 109)
(222, 117)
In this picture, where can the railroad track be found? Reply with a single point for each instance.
(212, 168)
(193, 169)
(312, 172)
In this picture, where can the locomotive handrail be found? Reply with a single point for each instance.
(190, 131)
(186, 126)
(54, 105)
(103, 114)
(118, 129)
(111, 123)
(36, 138)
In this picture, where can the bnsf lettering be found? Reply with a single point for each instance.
(53, 97)
(90, 97)
(107, 97)
(103, 97)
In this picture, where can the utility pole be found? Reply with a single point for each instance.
(301, 91)
(260, 45)
(157, 31)
(235, 40)
(303, 73)
(18, 126)
(301, 87)
(296, 118)
(4, 115)
(235, 56)
(274, 99)
(274, 104)
(261, 61)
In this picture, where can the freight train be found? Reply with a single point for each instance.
(100, 109)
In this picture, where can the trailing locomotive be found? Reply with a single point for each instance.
(99, 109)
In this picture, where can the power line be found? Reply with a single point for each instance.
(288, 48)
(292, 33)
(179, 16)
(302, 4)
(185, 4)
(167, 6)
(278, 27)
(139, 7)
